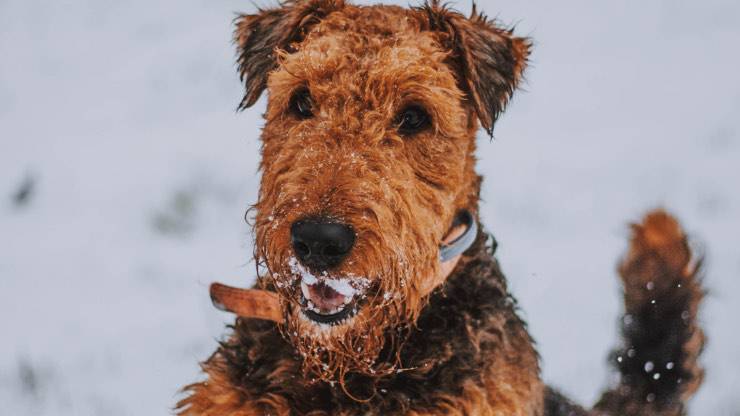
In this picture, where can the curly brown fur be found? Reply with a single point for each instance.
(464, 343)
(341, 80)
(362, 66)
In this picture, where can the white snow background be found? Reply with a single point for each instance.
(117, 118)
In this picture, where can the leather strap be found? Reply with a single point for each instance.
(248, 303)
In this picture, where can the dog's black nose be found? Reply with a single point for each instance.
(320, 244)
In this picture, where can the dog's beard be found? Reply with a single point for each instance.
(395, 262)
(366, 343)
(360, 345)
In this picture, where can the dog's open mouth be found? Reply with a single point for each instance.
(324, 304)
(329, 301)
(326, 299)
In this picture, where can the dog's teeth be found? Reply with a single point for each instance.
(304, 290)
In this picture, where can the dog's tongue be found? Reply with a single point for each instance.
(324, 297)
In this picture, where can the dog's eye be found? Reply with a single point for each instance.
(301, 104)
(412, 120)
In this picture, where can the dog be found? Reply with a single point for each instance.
(378, 289)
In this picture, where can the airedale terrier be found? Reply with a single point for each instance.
(383, 290)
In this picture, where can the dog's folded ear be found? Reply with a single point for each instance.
(488, 59)
(258, 36)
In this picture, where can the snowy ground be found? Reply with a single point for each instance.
(117, 119)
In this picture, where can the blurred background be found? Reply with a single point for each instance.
(125, 173)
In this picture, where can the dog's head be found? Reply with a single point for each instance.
(367, 157)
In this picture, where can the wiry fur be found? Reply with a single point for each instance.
(662, 339)
(465, 341)
(461, 350)
(399, 195)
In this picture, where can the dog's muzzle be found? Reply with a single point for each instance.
(333, 300)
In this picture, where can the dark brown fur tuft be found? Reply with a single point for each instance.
(558, 405)
(662, 339)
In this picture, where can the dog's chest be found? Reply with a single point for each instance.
(458, 357)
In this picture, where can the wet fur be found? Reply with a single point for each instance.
(463, 350)
(658, 361)
(469, 339)
(466, 339)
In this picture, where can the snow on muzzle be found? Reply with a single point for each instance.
(326, 299)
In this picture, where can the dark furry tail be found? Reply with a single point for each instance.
(662, 340)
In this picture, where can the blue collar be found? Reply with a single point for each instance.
(449, 251)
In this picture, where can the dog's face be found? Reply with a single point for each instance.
(367, 157)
